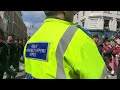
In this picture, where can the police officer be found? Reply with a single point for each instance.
(60, 50)
(3, 58)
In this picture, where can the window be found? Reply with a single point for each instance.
(118, 12)
(77, 15)
(5, 34)
(6, 12)
(106, 24)
(118, 25)
(5, 23)
(93, 23)
(15, 18)
(9, 12)
(83, 13)
(83, 23)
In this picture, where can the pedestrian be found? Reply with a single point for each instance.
(98, 43)
(100, 47)
(95, 39)
(106, 48)
(11, 56)
(116, 51)
(24, 42)
(3, 57)
(107, 54)
(112, 41)
(60, 50)
(17, 59)
(118, 71)
(21, 46)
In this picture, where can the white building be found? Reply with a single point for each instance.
(98, 19)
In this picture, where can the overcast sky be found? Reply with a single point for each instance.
(33, 20)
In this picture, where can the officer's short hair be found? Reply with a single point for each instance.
(50, 13)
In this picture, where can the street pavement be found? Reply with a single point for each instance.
(20, 74)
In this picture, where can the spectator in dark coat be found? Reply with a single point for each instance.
(3, 57)
(11, 55)
(16, 61)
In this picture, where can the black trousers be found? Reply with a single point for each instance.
(3, 65)
(2, 70)
(15, 63)
(9, 71)
(1, 74)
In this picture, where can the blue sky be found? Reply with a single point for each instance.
(33, 18)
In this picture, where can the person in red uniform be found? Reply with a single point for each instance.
(107, 54)
(118, 68)
(107, 47)
(115, 52)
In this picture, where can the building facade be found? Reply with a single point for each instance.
(109, 20)
(11, 22)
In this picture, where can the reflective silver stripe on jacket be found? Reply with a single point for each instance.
(62, 46)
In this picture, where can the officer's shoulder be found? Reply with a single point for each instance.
(81, 31)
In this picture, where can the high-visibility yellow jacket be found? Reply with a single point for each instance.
(60, 50)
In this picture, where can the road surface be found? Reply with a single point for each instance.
(20, 74)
